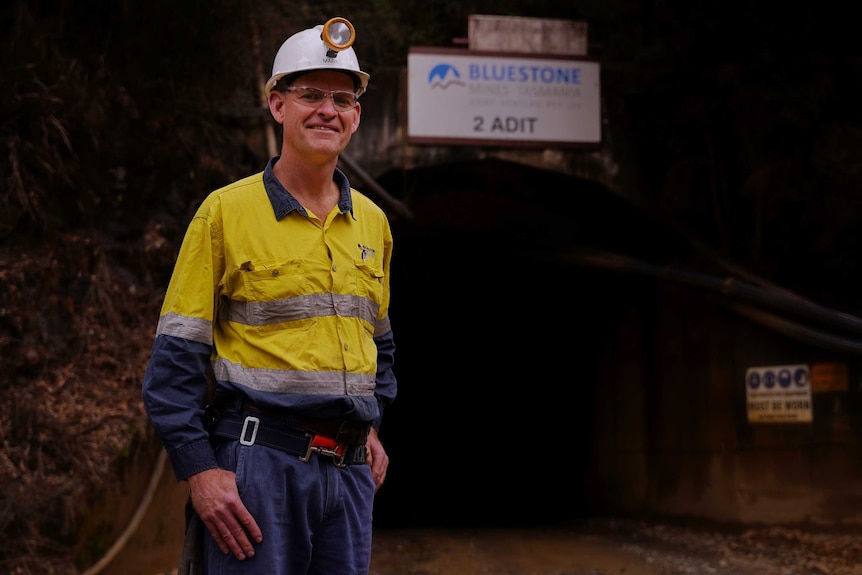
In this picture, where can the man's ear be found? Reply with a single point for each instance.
(356, 120)
(276, 106)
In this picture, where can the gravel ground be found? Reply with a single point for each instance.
(778, 550)
(621, 547)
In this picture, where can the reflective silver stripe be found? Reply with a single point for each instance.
(301, 307)
(382, 326)
(287, 381)
(191, 328)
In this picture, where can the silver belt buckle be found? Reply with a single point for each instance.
(256, 423)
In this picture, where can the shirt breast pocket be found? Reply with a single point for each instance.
(369, 281)
(269, 281)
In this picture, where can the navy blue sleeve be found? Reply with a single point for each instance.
(174, 393)
(387, 386)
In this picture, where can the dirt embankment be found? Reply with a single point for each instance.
(76, 325)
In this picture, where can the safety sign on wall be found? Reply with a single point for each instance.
(778, 394)
(462, 97)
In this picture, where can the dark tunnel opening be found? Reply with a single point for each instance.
(497, 349)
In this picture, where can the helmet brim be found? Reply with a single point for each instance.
(360, 79)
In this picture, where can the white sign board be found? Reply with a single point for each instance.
(778, 394)
(474, 98)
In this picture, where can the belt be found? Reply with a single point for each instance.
(236, 404)
(344, 441)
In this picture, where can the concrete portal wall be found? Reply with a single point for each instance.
(527, 35)
(672, 436)
(381, 146)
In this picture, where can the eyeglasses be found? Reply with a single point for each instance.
(343, 100)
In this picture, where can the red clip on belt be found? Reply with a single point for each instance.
(323, 441)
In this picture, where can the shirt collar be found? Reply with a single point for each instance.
(283, 201)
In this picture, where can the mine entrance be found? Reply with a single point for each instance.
(498, 344)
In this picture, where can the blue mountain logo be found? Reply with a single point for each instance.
(444, 75)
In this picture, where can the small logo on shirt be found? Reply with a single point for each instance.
(366, 252)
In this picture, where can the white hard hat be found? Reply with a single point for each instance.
(324, 47)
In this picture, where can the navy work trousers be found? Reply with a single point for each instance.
(315, 516)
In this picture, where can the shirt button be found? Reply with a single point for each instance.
(334, 268)
(274, 273)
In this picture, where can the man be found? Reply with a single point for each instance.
(279, 300)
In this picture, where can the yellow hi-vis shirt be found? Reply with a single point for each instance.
(289, 304)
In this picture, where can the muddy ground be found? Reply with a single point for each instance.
(587, 546)
(612, 547)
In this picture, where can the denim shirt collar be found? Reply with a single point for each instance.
(283, 202)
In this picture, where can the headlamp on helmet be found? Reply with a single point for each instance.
(324, 47)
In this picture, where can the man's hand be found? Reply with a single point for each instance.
(376, 457)
(216, 500)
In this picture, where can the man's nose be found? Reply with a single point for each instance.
(329, 103)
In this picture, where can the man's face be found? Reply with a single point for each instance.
(314, 127)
